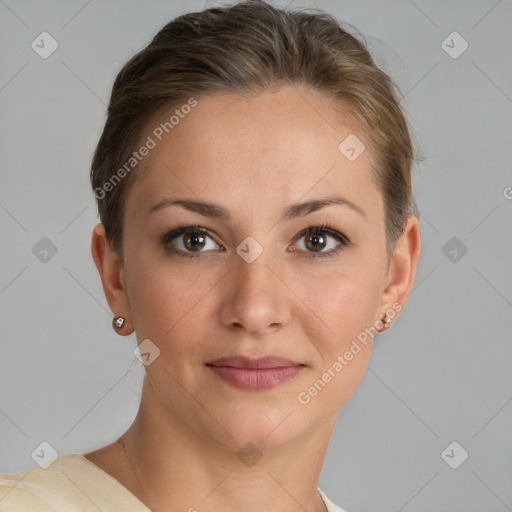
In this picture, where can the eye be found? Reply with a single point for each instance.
(316, 241)
(187, 240)
(190, 241)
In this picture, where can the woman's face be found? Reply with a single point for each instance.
(256, 282)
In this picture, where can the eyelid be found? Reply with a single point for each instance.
(323, 228)
(174, 233)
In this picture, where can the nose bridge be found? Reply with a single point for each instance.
(256, 299)
(254, 255)
(253, 275)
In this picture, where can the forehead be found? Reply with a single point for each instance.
(267, 150)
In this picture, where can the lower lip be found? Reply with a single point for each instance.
(256, 378)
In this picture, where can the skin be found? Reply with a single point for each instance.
(254, 156)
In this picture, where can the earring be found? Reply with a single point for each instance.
(118, 322)
(387, 321)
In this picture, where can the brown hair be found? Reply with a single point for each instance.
(247, 48)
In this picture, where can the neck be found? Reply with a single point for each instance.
(177, 468)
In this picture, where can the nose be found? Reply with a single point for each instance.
(255, 300)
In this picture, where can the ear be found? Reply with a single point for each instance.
(111, 272)
(402, 267)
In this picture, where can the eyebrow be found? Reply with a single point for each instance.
(216, 211)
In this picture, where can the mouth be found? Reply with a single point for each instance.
(255, 374)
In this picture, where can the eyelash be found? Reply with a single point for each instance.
(324, 229)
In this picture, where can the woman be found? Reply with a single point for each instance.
(257, 231)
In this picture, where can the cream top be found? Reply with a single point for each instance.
(73, 483)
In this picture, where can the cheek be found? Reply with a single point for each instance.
(338, 305)
(169, 303)
(338, 312)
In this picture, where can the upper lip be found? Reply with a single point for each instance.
(248, 362)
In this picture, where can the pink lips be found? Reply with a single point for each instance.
(255, 374)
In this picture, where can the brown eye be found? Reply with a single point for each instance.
(194, 241)
(189, 241)
(317, 241)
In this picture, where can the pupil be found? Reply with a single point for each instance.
(313, 240)
(194, 241)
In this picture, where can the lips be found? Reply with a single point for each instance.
(255, 374)
(247, 362)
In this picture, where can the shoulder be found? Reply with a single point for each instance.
(70, 483)
(27, 490)
(331, 507)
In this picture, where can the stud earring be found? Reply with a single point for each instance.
(118, 322)
(386, 321)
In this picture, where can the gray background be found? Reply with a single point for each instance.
(441, 374)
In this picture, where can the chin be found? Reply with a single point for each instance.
(266, 427)
(257, 438)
